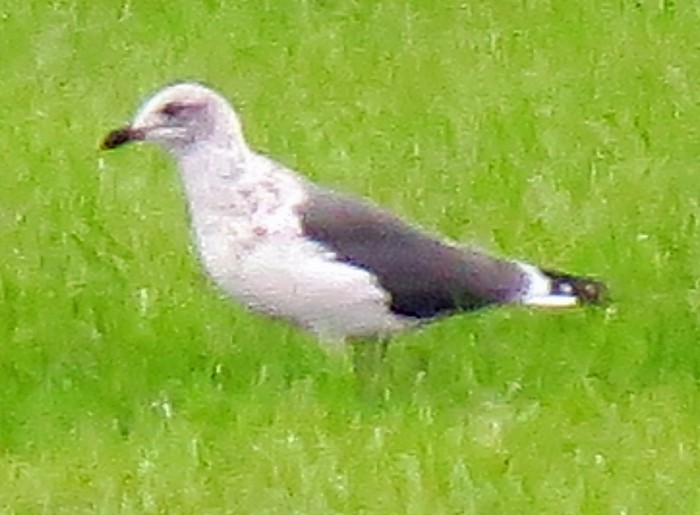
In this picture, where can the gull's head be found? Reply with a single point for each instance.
(178, 116)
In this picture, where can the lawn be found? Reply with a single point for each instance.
(561, 132)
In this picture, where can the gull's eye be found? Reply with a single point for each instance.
(174, 109)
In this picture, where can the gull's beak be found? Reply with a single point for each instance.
(119, 137)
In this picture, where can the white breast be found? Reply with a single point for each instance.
(249, 239)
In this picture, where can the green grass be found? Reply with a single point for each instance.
(562, 132)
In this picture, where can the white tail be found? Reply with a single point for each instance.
(553, 289)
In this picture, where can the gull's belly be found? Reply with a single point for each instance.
(298, 280)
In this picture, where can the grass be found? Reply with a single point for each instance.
(564, 133)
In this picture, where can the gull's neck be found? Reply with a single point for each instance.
(212, 160)
(235, 198)
(211, 171)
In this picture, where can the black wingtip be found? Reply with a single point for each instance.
(586, 289)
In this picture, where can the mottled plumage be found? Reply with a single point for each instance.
(333, 264)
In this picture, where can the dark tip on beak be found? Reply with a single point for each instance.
(119, 137)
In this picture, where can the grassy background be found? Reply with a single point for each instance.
(563, 132)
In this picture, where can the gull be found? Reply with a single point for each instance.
(333, 264)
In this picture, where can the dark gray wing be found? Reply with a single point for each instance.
(424, 277)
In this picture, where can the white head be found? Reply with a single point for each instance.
(181, 115)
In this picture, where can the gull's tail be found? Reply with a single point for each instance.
(549, 288)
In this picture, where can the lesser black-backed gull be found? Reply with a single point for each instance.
(335, 265)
